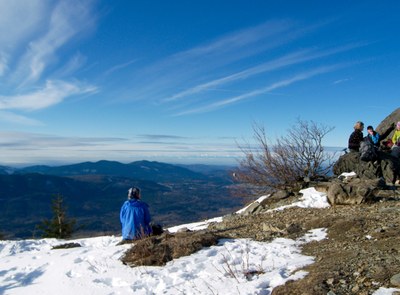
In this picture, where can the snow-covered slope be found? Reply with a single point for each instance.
(32, 267)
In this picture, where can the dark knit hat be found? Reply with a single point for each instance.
(133, 193)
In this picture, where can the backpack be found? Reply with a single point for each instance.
(367, 150)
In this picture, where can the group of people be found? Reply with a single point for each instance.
(357, 137)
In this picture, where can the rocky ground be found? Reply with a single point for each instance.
(361, 253)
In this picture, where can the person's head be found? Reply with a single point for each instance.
(134, 193)
(398, 125)
(370, 129)
(359, 126)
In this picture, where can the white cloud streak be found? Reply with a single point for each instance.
(32, 34)
(73, 64)
(19, 19)
(287, 60)
(280, 84)
(120, 66)
(18, 119)
(68, 19)
(3, 64)
(52, 93)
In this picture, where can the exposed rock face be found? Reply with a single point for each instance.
(355, 192)
(387, 166)
(385, 125)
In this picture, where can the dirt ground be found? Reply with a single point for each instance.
(361, 253)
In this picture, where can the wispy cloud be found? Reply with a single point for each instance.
(239, 39)
(120, 67)
(284, 61)
(19, 19)
(18, 119)
(161, 137)
(66, 21)
(22, 148)
(224, 50)
(341, 81)
(74, 64)
(3, 64)
(269, 88)
(52, 93)
(32, 34)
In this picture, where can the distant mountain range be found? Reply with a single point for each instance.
(145, 170)
(94, 193)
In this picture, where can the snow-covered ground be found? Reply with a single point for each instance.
(32, 267)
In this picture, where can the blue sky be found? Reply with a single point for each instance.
(184, 81)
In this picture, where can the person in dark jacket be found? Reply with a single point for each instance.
(356, 137)
(135, 216)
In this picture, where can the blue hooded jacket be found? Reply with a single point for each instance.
(135, 219)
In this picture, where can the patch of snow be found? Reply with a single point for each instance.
(311, 199)
(31, 267)
(385, 291)
(259, 200)
(347, 175)
(195, 225)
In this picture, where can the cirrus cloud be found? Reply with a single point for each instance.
(52, 93)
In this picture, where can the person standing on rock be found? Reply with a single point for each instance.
(356, 137)
(135, 216)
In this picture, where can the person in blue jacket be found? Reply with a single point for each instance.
(373, 136)
(135, 216)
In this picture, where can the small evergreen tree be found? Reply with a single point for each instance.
(60, 226)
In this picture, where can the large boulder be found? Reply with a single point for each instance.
(387, 166)
(357, 191)
(386, 128)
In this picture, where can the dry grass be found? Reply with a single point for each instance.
(158, 250)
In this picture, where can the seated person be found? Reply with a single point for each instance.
(135, 217)
(373, 136)
(396, 135)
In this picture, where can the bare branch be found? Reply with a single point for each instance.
(298, 155)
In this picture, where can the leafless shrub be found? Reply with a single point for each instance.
(298, 155)
(247, 270)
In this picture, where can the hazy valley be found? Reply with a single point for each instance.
(94, 193)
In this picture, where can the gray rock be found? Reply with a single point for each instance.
(395, 280)
(385, 127)
(252, 209)
(355, 192)
(387, 166)
(270, 228)
(279, 195)
(293, 228)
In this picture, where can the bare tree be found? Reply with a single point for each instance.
(287, 163)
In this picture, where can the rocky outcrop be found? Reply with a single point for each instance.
(385, 127)
(355, 192)
(387, 166)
